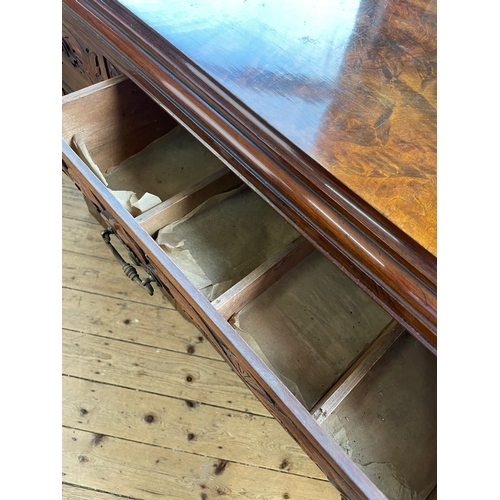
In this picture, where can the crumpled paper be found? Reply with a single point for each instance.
(82, 151)
(127, 199)
(167, 166)
(136, 206)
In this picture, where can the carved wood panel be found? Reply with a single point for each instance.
(82, 65)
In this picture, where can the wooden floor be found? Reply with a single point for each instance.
(133, 426)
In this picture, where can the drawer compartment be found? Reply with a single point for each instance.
(387, 424)
(169, 165)
(368, 383)
(215, 229)
(310, 325)
(136, 149)
(224, 239)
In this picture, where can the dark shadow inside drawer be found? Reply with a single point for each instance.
(115, 119)
(387, 424)
(310, 325)
(224, 239)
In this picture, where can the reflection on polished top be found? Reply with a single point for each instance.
(350, 82)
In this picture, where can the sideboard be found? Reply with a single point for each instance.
(271, 168)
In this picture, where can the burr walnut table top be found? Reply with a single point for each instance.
(351, 83)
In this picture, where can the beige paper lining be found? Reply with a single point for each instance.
(224, 239)
(167, 166)
(309, 326)
(387, 425)
(81, 150)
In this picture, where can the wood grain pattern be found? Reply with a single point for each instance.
(378, 135)
(86, 273)
(128, 114)
(396, 270)
(146, 472)
(363, 105)
(112, 318)
(72, 203)
(183, 425)
(71, 492)
(364, 230)
(153, 369)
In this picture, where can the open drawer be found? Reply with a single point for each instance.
(346, 381)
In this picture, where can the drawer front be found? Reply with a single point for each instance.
(299, 376)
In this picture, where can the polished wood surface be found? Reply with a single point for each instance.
(352, 83)
(391, 264)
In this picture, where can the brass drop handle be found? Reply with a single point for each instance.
(128, 269)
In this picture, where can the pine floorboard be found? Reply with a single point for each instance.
(149, 408)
